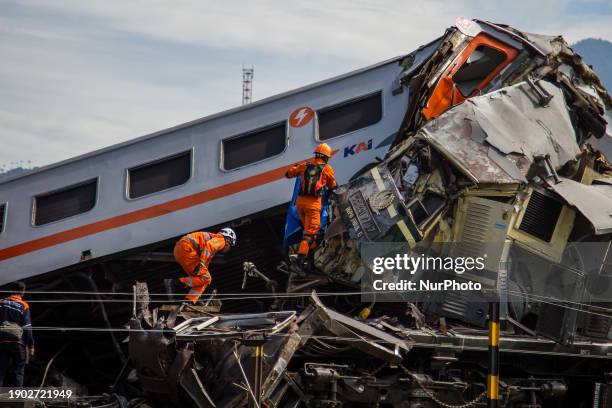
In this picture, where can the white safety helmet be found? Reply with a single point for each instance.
(229, 235)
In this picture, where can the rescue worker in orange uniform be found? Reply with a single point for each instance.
(316, 174)
(194, 252)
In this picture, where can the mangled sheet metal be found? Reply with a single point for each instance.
(499, 146)
(211, 357)
(327, 358)
(605, 143)
(593, 201)
(361, 336)
(233, 325)
(494, 138)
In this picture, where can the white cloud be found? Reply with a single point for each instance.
(359, 29)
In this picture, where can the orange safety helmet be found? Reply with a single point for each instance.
(324, 150)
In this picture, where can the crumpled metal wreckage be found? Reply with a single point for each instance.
(499, 151)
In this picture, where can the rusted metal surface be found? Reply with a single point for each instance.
(479, 135)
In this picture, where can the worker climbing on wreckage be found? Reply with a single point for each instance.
(194, 252)
(316, 175)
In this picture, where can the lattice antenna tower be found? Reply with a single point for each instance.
(247, 85)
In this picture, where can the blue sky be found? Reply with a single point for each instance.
(78, 75)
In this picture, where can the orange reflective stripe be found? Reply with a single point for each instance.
(19, 300)
(196, 281)
(216, 244)
(195, 293)
(194, 242)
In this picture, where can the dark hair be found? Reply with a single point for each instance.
(15, 287)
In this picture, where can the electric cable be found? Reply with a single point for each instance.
(252, 296)
(245, 377)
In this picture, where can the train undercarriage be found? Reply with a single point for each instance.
(318, 347)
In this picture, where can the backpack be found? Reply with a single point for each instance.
(311, 185)
(11, 330)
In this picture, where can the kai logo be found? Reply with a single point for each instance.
(357, 148)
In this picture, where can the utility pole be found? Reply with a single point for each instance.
(256, 342)
(500, 294)
(493, 377)
(247, 85)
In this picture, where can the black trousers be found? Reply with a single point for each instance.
(12, 365)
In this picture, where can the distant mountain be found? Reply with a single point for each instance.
(598, 54)
(14, 172)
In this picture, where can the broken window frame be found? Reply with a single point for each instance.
(438, 101)
(478, 86)
(486, 40)
(206, 327)
(36, 205)
(430, 215)
(252, 133)
(128, 175)
(342, 104)
(3, 216)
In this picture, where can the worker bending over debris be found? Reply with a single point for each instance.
(316, 174)
(194, 252)
(16, 340)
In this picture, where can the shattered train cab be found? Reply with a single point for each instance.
(526, 136)
(490, 176)
(497, 158)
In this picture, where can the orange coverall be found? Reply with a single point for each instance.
(309, 206)
(194, 252)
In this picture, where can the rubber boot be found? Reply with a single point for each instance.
(309, 263)
(297, 266)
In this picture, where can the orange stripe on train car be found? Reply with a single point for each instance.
(144, 214)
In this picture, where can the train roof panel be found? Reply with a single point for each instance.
(217, 115)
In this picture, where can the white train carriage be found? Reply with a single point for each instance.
(202, 173)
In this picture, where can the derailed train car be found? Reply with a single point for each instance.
(497, 154)
(497, 148)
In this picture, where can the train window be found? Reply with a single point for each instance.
(65, 203)
(159, 175)
(2, 217)
(424, 210)
(349, 116)
(254, 146)
(481, 62)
